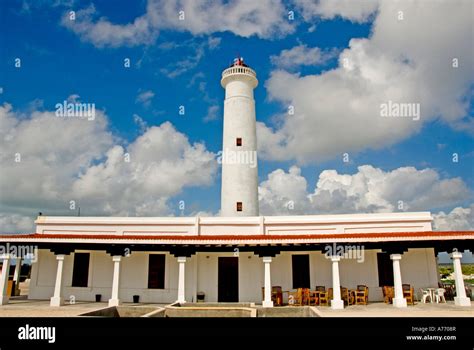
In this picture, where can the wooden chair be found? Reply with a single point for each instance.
(384, 293)
(408, 294)
(295, 298)
(387, 294)
(313, 298)
(10, 289)
(352, 297)
(391, 293)
(362, 295)
(305, 295)
(277, 295)
(323, 296)
(345, 295)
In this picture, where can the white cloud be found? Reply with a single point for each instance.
(42, 154)
(301, 55)
(264, 18)
(74, 98)
(284, 193)
(177, 68)
(196, 49)
(103, 33)
(213, 42)
(16, 224)
(369, 190)
(64, 159)
(357, 11)
(195, 78)
(458, 219)
(212, 113)
(142, 125)
(407, 61)
(213, 106)
(162, 162)
(145, 98)
(30, 6)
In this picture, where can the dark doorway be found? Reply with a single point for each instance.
(385, 267)
(228, 279)
(80, 271)
(300, 267)
(156, 271)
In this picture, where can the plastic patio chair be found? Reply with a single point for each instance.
(439, 295)
(425, 294)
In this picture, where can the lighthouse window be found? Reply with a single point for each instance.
(238, 141)
(239, 206)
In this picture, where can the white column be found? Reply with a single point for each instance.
(114, 300)
(336, 303)
(460, 299)
(4, 297)
(16, 276)
(181, 279)
(56, 299)
(195, 277)
(267, 300)
(398, 300)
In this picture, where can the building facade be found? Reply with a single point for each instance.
(163, 260)
(239, 256)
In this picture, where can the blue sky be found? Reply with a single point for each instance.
(58, 61)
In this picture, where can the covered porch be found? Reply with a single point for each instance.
(167, 269)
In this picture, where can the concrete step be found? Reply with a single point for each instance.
(286, 311)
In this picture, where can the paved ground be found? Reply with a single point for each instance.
(387, 310)
(41, 308)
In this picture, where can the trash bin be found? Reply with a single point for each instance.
(200, 297)
(136, 298)
(98, 297)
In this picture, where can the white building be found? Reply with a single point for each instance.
(232, 257)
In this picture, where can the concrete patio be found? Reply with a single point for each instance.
(21, 307)
(387, 310)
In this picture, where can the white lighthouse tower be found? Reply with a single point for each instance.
(239, 192)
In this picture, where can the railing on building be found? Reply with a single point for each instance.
(239, 70)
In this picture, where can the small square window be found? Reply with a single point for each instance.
(239, 206)
(238, 141)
